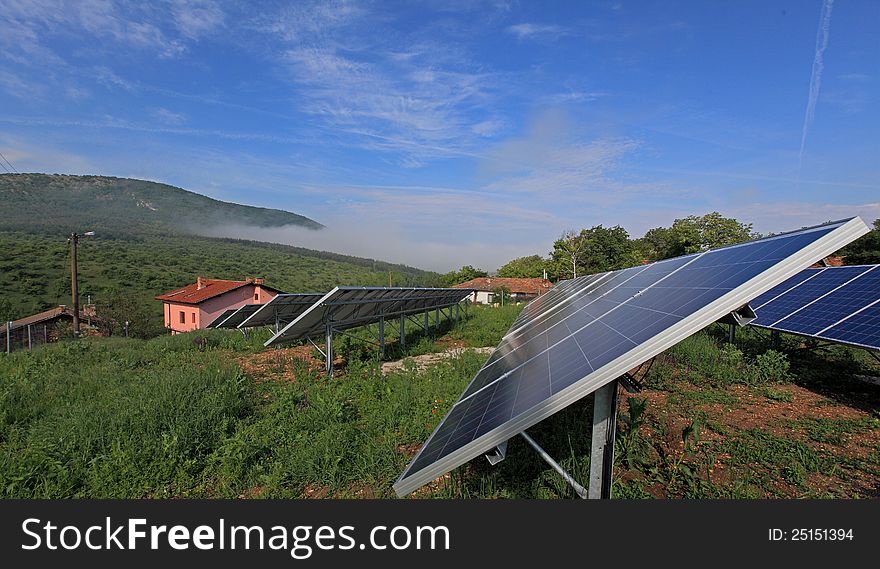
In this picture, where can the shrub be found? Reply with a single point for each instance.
(771, 367)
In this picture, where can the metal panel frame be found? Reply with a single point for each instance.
(732, 300)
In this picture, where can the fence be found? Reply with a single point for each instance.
(24, 337)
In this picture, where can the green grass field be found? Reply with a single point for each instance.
(212, 414)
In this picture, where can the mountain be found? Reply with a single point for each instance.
(145, 246)
(62, 203)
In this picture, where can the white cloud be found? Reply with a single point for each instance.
(197, 18)
(527, 31)
(165, 116)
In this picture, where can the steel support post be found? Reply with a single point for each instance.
(9, 337)
(426, 323)
(731, 333)
(402, 333)
(602, 448)
(381, 336)
(774, 339)
(29, 337)
(328, 349)
(437, 316)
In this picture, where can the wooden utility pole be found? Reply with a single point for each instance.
(74, 289)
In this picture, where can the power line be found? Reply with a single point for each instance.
(8, 162)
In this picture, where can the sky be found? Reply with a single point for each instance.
(452, 132)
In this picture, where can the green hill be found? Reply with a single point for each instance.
(140, 251)
(62, 204)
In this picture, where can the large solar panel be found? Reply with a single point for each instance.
(239, 316)
(838, 304)
(601, 326)
(281, 310)
(349, 307)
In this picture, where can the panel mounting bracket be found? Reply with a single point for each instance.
(497, 454)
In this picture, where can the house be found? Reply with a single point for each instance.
(46, 326)
(520, 289)
(197, 305)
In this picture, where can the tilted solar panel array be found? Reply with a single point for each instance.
(838, 304)
(349, 307)
(282, 309)
(572, 341)
(239, 316)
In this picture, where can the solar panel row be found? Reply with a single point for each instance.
(839, 304)
(350, 307)
(591, 330)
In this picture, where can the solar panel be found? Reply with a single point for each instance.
(238, 316)
(349, 307)
(601, 326)
(839, 304)
(226, 314)
(281, 310)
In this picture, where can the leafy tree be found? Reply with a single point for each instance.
(593, 250)
(129, 307)
(524, 267)
(864, 250)
(6, 311)
(694, 233)
(567, 253)
(465, 274)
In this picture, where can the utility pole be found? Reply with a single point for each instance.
(389, 279)
(74, 289)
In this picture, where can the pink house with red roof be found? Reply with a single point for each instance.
(197, 305)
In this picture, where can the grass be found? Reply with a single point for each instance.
(177, 417)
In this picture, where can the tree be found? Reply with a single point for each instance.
(465, 274)
(6, 311)
(692, 234)
(524, 267)
(567, 253)
(865, 250)
(122, 307)
(592, 250)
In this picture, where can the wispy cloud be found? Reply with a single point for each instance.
(197, 18)
(815, 76)
(165, 116)
(412, 102)
(527, 31)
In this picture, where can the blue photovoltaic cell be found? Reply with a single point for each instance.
(776, 291)
(803, 294)
(571, 333)
(836, 305)
(825, 303)
(862, 329)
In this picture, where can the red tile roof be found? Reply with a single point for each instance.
(516, 286)
(203, 289)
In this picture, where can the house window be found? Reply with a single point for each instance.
(182, 317)
(193, 317)
(257, 297)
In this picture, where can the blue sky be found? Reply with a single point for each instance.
(457, 132)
